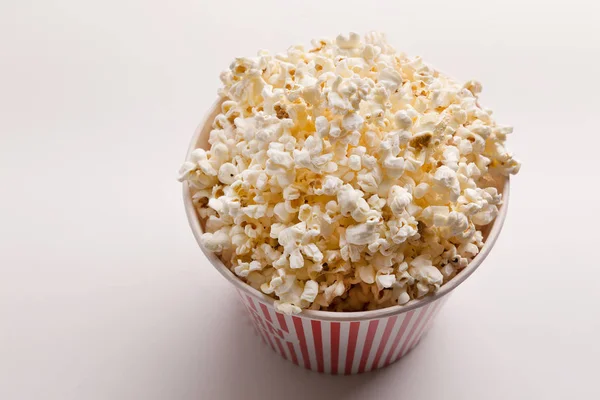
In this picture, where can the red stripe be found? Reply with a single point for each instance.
(384, 339)
(317, 336)
(442, 302)
(335, 346)
(281, 320)
(261, 323)
(413, 329)
(290, 346)
(258, 326)
(268, 317)
(368, 343)
(254, 313)
(270, 341)
(292, 353)
(266, 312)
(251, 302)
(267, 334)
(280, 347)
(434, 311)
(255, 324)
(403, 327)
(352, 337)
(302, 339)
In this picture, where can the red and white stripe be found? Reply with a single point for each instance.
(340, 347)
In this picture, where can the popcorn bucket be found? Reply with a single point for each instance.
(348, 343)
(338, 342)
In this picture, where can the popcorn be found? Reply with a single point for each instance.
(425, 274)
(385, 281)
(216, 242)
(311, 289)
(398, 199)
(347, 177)
(362, 234)
(354, 162)
(445, 180)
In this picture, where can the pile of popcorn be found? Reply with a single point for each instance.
(347, 177)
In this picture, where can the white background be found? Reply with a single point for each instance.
(104, 293)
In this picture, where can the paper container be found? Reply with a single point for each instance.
(334, 342)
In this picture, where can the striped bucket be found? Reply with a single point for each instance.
(336, 347)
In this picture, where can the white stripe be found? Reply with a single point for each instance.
(430, 322)
(259, 317)
(290, 335)
(310, 343)
(326, 336)
(276, 327)
(376, 341)
(418, 334)
(426, 321)
(363, 327)
(293, 338)
(413, 320)
(344, 328)
(444, 300)
(248, 315)
(299, 354)
(388, 345)
(259, 331)
(255, 323)
(275, 343)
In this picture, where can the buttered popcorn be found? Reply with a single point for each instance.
(347, 177)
